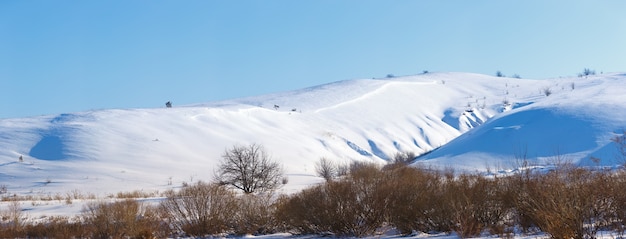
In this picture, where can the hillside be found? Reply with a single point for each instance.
(475, 122)
(574, 124)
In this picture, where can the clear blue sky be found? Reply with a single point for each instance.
(66, 56)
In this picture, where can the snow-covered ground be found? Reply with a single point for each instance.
(464, 121)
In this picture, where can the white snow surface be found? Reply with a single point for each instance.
(462, 120)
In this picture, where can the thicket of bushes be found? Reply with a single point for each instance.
(567, 202)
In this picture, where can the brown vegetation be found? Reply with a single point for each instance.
(200, 209)
(567, 202)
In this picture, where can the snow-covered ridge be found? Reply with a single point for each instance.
(107, 151)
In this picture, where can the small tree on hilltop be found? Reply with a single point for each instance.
(587, 72)
(547, 91)
(249, 168)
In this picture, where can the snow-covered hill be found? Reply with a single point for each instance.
(574, 124)
(497, 119)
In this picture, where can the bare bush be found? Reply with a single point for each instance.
(326, 169)
(587, 72)
(250, 169)
(367, 196)
(56, 227)
(127, 218)
(478, 205)
(567, 202)
(13, 220)
(402, 158)
(306, 212)
(618, 208)
(343, 170)
(356, 166)
(412, 200)
(620, 143)
(547, 91)
(353, 206)
(200, 209)
(254, 215)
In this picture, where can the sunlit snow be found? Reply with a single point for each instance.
(464, 121)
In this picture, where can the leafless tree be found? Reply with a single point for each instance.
(249, 168)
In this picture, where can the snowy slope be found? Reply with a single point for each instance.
(574, 124)
(108, 151)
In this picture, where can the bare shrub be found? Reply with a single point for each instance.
(326, 169)
(13, 221)
(618, 197)
(356, 166)
(516, 194)
(412, 203)
(56, 227)
(403, 158)
(598, 189)
(368, 197)
(466, 222)
(532, 199)
(478, 205)
(342, 170)
(250, 169)
(472, 203)
(587, 72)
(620, 143)
(410, 199)
(567, 202)
(127, 218)
(352, 206)
(200, 209)
(547, 91)
(135, 194)
(254, 215)
(305, 212)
